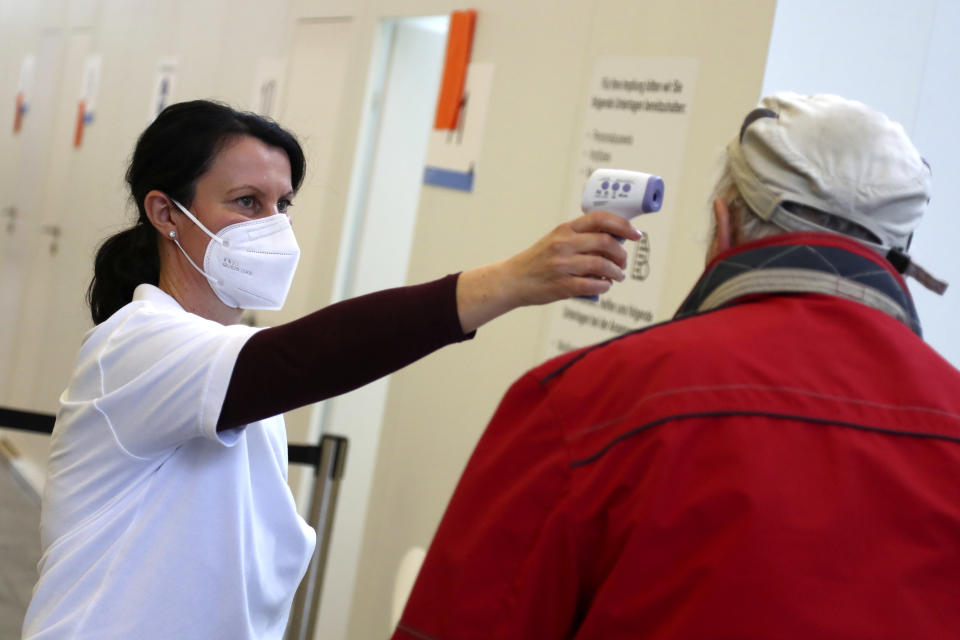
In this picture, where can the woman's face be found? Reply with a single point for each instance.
(247, 180)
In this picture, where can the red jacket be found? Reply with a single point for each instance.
(785, 466)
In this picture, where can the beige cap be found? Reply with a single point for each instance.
(834, 155)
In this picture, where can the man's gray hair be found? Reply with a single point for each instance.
(747, 225)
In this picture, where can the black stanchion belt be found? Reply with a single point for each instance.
(26, 420)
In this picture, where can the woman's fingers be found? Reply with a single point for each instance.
(582, 257)
(597, 267)
(605, 222)
(586, 287)
(599, 244)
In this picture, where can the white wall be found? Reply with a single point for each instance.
(936, 131)
(901, 59)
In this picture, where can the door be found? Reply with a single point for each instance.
(374, 254)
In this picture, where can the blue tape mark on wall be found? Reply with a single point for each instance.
(449, 179)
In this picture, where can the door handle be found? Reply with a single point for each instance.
(11, 214)
(53, 230)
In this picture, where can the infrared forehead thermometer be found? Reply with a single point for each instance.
(625, 193)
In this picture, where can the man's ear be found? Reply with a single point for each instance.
(722, 229)
(159, 211)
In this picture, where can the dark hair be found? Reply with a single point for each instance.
(171, 154)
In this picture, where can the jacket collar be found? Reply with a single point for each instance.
(795, 263)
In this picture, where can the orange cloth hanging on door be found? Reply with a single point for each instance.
(78, 132)
(459, 41)
(18, 114)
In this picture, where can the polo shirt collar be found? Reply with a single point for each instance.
(156, 296)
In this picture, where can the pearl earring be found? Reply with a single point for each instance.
(172, 233)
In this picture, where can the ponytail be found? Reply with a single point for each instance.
(123, 261)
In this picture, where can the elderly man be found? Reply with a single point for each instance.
(778, 461)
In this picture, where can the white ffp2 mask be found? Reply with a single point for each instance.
(250, 265)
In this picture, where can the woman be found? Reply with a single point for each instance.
(166, 512)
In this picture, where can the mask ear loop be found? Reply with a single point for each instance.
(183, 251)
(213, 237)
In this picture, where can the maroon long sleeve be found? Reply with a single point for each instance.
(340, 348)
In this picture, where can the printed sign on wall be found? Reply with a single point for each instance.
(24, 91)
(87, 102)
(636, 117)
(164, 81)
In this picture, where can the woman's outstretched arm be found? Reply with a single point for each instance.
(351, 343)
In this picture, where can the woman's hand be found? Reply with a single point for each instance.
(578, 258)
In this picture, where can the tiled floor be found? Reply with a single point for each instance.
(19, 549)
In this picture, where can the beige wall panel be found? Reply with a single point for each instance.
(252, 29)
(22, 171)
(53, 13)
(543, 54)
(22, 164)
(41, 369)
(83, 13)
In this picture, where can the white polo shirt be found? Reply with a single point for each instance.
(155, 526)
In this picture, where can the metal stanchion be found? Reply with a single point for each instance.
(323, 504)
